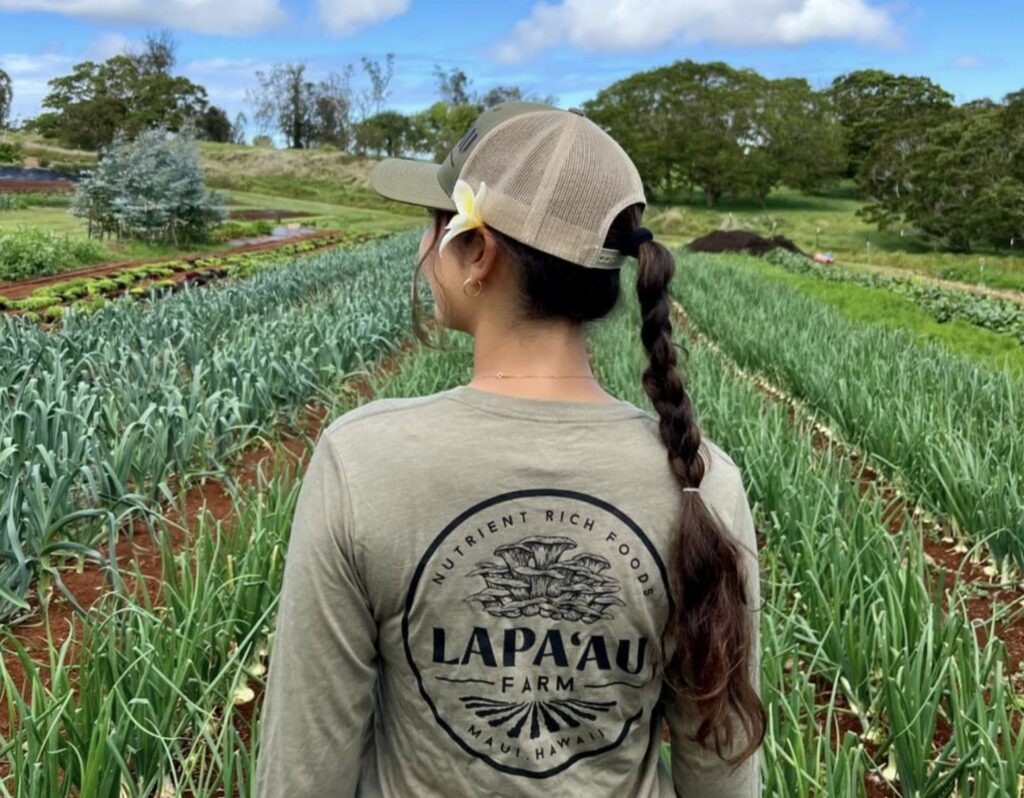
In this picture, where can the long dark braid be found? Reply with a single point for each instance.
(712, 625)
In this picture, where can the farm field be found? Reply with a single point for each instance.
(321, 190)
(842, 192)
(875, 560)
(827, 222)
(321, 215)
(333, 188)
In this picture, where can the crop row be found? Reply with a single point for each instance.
(946, 428)
(17, 202)
(97, 417)
(91, 293)
(942, 304)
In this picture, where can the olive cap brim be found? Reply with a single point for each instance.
(414, 182)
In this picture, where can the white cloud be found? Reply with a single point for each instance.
(225, 79)
(29, 75)
(967, 61)
(638, 25)
(107, 46)
(348, 16)
(222, 17)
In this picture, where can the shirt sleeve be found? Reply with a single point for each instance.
(323, 662)
(696, 770)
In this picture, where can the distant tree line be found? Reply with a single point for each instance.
(721, 130)
(331, 112)
(954, 172)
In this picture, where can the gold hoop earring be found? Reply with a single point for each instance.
(477, 282)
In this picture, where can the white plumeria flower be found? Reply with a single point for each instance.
(468, 206)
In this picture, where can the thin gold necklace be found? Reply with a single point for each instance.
(501, 375)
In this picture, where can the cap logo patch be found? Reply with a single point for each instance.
(467, 141)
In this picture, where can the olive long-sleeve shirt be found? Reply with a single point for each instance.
(476, 602)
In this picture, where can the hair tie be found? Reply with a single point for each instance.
(640, 235)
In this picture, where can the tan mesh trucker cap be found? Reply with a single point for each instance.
(555, 180)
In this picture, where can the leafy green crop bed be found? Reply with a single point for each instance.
(943, 304)
(88, 294)
(168, 698)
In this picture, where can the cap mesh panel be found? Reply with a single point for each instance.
(555, 181)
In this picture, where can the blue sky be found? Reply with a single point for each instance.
(566, 48)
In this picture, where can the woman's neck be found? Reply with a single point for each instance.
(546, 349)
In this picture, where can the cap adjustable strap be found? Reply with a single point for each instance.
(613, 258)
(608, 259)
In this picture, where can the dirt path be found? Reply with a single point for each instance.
(23, 288)
(954, 285)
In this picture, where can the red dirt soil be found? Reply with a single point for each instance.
(36, 186)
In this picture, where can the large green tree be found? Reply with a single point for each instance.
(719, 129)
(213, 125)
(98, 100)
(871, 102)
(958, 178)
(388, 133)
(795, 140)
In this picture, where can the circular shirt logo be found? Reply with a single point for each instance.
(534, 624)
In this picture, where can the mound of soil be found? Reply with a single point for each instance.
(741, 241)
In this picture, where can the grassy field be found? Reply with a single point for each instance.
(328, 214)
(827, 222)
(322, 215)
(324, 176)
(34, 149)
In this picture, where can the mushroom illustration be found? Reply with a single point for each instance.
(531, 580)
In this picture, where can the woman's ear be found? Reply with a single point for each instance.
(481, 253)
